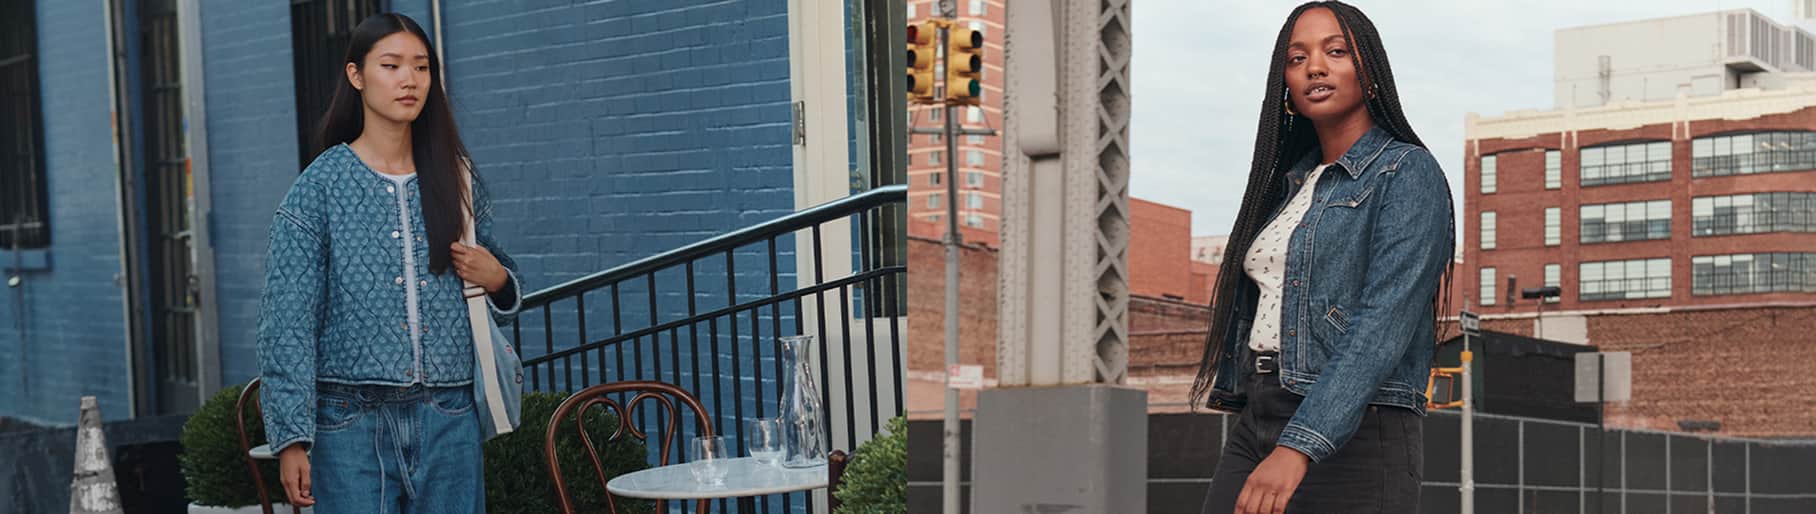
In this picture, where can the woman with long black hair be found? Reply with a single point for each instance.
(1324, 319)
(365, 350)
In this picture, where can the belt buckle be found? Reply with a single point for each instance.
(1264, 364)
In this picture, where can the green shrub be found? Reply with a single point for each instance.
(517, 477)
(876, 480)
(212, 467)
(517, 480)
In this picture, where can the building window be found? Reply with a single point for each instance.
(1753, 214)
(975, 139)
(319, 33)
(934, 178)
(1488, 218)
(1553, 279)
(934, 157)
(24, 214)
(936, 113)
(977, 25)
(975, 114)
(1634, 221)
(1487, 286)
(1554, 169)
(974, 221)
(978, 8)
(974, 201)
(1753, 273)
(974, 179)
(911, 10)
(933, 201)
(1488, 174)
(1763, 152)
(1626, 163)
(936, 138)
(1623, 280)
(1554, 224)
(974, 158)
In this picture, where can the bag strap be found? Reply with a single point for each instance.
(479, 316)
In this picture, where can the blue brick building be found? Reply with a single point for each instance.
(158, 137)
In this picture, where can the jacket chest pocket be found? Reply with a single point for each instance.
(1351, 200)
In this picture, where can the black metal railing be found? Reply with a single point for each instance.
(717, 323)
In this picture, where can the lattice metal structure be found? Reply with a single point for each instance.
(1066, 214)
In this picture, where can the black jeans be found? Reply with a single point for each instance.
(1378, 471)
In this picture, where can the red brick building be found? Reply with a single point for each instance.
(1697, 202)
(979, 158)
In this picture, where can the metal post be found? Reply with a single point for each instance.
(1601, 434)
(1468, 437)
(953, 241)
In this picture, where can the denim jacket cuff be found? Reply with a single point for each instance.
(277, 448)
(1307, 442)
(512, 292)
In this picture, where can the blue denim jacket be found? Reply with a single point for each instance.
(1362, 270)
(334, 305)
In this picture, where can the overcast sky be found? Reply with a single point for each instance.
(1199, 67)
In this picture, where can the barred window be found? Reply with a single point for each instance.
(1761, 152)
(1633, 221)
(1753, 214)
(1626, 163)
(1753, 273)
(1488, 230)
(1487, 286)
(24, 214)
(1554, 169)
(1554, 225)
(1488, 173)
(1621, 280)
(1553, 278)
(319, 33)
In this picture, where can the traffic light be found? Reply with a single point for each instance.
(964, 66)
(921, 53)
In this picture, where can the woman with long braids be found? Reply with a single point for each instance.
(365, 351)
(1324, 319)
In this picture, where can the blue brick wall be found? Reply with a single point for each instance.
(609, 131)
(252, 158)
(613, 131)
(74, 340)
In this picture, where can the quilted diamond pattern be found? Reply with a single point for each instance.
(334, 306)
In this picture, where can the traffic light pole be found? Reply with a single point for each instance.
(953, 240)
(1468, 438)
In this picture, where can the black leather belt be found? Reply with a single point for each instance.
(1267, 363)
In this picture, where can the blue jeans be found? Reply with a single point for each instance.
(385, 450)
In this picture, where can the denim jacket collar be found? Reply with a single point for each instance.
(1360, 154)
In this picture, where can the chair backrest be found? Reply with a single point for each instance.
(835, 463)
(576, 406)
(250, 396)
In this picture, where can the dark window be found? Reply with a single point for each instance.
(24, 216)
(319, 31)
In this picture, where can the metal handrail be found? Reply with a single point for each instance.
(805, 218)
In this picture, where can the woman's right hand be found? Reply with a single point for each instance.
(293, 467)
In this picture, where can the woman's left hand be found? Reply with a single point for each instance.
(477, 265)
(1272, 483)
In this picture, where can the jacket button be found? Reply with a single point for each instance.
(390, 189)
(406, 372)
(400, 280)
(1294, 332)
(425, 283)
(1295, 282)
(395, 234)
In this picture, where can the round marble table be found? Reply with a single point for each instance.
(745, 479)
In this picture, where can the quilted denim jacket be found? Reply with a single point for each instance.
(334, 307)
(1362, 269)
